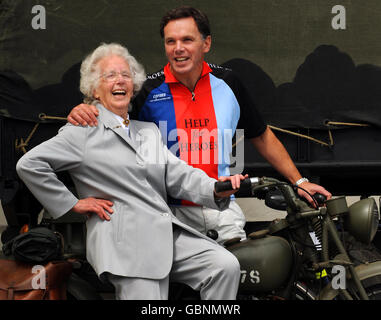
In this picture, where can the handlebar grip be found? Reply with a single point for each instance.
(320, 198)
(221, 186)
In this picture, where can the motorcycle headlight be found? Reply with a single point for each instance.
(362, 220)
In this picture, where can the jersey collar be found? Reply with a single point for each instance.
(170, 78)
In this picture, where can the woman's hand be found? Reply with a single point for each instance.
(235, 181)
(83, 114)
(91, 205)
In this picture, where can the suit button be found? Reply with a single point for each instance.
(165, 214)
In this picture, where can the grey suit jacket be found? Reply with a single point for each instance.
(135, 172)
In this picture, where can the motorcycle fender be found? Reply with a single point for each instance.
(364, 271)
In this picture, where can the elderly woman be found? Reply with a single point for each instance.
(122, 172)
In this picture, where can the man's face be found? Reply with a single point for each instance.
(185, 47)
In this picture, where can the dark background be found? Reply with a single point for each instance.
(300, 71)
(275, 34)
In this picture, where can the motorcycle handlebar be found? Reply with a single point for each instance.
(320, 198)
(221, 186)
(247, 183)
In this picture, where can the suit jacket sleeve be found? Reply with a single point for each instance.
(38, 166)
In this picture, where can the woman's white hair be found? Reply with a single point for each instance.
(90, 72)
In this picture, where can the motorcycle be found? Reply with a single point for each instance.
(314, 253)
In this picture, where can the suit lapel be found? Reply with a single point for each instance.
(110, 122)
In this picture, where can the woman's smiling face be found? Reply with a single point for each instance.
(115, 86)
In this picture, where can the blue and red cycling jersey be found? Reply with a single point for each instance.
(198, 126)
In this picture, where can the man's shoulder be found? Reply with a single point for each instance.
(153, 80)
(220, 70)
(156, 76)
(224, 73)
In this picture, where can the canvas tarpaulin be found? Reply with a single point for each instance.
(301, 72)
(39, 68)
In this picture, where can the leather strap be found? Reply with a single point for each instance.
(10, 293)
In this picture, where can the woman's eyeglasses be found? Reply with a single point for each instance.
(113, 76)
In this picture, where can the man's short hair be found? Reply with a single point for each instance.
(199, 17)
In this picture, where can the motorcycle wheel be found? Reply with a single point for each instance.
(372, 287)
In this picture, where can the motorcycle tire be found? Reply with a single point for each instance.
(372, 287)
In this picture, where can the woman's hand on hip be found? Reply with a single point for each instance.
(91, 205)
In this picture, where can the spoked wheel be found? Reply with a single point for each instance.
(372, 287)
(374, 293)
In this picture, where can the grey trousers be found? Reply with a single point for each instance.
(203, 265)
